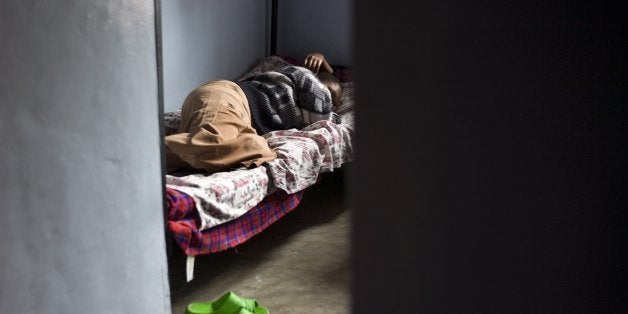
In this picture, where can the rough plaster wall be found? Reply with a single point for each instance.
(82, 222)
(207, 40)
(305, 26)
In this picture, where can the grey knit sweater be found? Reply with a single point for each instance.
(291, 97)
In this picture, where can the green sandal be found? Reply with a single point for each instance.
(229, 303)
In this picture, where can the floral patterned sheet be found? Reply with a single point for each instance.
(302, 155)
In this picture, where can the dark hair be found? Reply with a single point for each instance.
(334, 86)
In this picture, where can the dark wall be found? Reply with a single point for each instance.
(491, 161)
(305, 26)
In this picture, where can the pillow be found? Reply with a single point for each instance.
(274, 62)
(267, 64)
(343, 73)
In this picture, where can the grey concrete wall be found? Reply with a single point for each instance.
(82, 222)
(208, 40)
(305, 26)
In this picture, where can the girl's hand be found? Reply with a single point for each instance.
(316, 62)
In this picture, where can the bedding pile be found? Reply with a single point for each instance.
(211, 213)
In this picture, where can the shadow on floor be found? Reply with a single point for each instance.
(321, 205)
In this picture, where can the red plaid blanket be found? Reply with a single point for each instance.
(183, 222)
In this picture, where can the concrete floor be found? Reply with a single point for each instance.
(300, 264)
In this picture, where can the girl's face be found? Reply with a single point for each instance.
(332, 84)
(336, 91)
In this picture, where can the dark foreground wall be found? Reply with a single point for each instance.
(491, 169)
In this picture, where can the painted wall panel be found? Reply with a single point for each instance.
(82, 221)
(208, 40)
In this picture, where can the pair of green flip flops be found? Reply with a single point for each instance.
(228, 303)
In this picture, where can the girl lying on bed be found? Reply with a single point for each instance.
(222, 121)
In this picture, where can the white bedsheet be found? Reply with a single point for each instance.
(302, 156)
